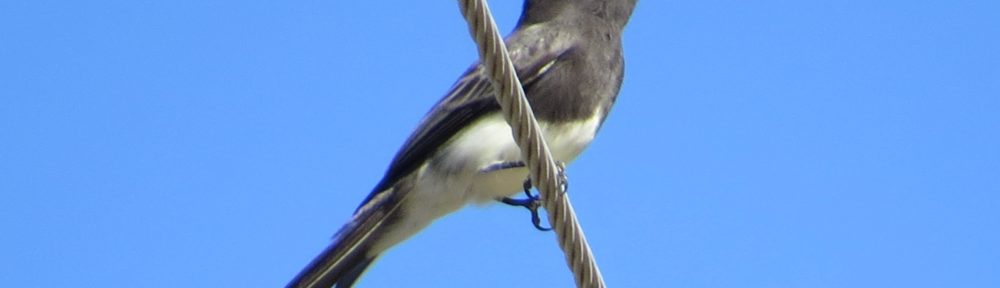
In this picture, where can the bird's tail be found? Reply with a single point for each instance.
(350, 254)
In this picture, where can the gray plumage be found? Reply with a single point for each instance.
(568, 56)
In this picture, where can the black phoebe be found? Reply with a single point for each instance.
(568, 55)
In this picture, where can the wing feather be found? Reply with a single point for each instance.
(471, 97)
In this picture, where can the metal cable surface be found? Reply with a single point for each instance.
(545, 174)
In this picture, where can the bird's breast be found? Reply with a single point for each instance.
(489, 141)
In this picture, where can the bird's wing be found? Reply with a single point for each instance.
(471, 97)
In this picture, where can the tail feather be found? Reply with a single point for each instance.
(351, 276)
(350, 254)
(333, 266)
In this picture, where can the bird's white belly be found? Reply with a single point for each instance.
(457, 177)
(489, 141)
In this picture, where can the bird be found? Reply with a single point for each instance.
(568, 56)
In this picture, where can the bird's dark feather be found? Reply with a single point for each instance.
(470, 98)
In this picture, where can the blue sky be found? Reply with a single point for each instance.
(754, 144)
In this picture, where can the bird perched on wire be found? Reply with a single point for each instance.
(568, 56)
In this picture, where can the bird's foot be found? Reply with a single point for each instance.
(532, 203)
(562, 177)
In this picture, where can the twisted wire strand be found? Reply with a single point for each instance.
(544, 171)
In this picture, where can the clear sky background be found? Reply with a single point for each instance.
(754, 144)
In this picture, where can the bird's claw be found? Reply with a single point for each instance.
(562, 177)
(531, 202)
